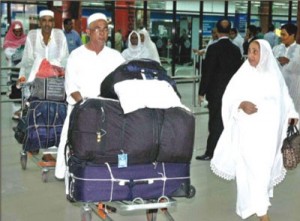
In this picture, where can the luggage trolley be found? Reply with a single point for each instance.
(119, 195)
(102, 210)
(24, 154)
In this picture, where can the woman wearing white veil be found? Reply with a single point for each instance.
(256, 111)
(135, 50)
(149, 45)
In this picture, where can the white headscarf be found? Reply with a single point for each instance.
(133, 51)
(264, 86)
(149, 45)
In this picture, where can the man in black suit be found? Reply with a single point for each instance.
(251, 35)
(222, 60)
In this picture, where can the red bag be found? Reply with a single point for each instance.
(47, 70)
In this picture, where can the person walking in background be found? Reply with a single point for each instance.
(259, 33)
(45, 42)
(87, 66)
(288, 56)
(213, 39)
(236, 39)
(72, 36)
(256, 111)
(135, 49)
(13, 46)
(149, 45)
(184, 48)
(119, 41)
(14, 40)
(251, 35)
(271, 37)
(219, 68)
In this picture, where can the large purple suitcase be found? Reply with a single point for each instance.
(96, 183)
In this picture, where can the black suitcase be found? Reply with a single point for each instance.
(105, 182)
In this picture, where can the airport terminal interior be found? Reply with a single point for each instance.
(31, 194)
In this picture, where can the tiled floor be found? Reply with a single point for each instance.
(24, 197)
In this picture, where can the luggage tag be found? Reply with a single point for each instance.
(122, 160)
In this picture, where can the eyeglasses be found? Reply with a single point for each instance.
(99, 30)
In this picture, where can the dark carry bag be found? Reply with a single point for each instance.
(99, 132)
(20, 130)
(44, 120)
(51, 89)
(134, 69)
(291, 148)
(177, 135)
(95, 183)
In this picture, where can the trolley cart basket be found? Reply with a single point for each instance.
(145, 186)
(40, 128)
(103, 210)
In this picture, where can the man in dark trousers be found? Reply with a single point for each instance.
(222, 60)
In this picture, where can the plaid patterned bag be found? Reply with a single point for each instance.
(291, 148)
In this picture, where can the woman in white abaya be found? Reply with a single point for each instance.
(149, 45)
(256, 111)
(135, 50)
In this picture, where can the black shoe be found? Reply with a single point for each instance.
(203, 157)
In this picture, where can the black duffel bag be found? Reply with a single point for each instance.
(99, 132)
(135, 69)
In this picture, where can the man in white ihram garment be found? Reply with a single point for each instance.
(149, 45)
(44, 42)
(288, 56)
(86, 68)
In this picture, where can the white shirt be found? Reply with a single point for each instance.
(272, 38)
(291, 71)
(56, 52)
(239, 41)
(86, 70)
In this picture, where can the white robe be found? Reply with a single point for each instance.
(249, 147)
(291, 71)
(149, 45)
(85, 72)
(56, 52)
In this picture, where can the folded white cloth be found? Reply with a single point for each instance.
(136, 94)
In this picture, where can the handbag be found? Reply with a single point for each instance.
(291, 148)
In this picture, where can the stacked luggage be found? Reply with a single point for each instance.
(115, 156)
(44, 113)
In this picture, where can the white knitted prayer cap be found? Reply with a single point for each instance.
(17, 26)
(96, 16)
(46, 13)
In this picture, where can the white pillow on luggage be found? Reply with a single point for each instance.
(136, 94)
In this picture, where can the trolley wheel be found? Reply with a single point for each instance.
(192, 192)
(23, 160)
(86, 214)
(45, 176)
